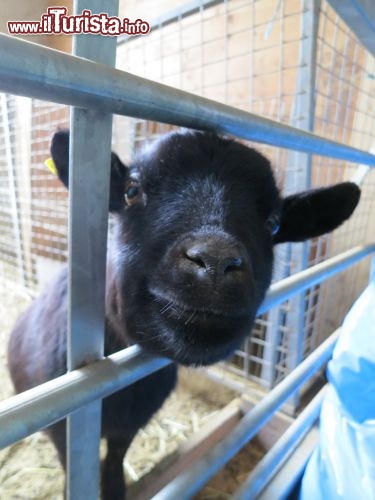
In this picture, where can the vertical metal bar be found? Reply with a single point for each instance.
(322, 249)
(12, 189)
(88, 224)
(305, 107)
(298, 178)
(282, 258)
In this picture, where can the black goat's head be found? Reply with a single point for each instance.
(197, 218)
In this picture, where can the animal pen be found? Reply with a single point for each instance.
(295, 76)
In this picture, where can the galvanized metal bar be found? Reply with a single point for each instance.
(284, 289)
(36, 71)
(265, 470)
(359, 15)
(195, 477)
(32, 410)
(90, 157)
(283, 485)
(305, 118)
(297, 178)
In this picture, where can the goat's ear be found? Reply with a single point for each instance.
(60, 155)
(312, 213)
(119, 172)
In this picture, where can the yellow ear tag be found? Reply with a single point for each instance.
(51, 165)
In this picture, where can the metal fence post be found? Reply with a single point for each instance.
(296, 179)
(90, 145)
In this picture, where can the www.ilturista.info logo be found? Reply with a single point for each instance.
(57, 22)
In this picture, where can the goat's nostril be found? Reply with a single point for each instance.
(217, 261)
(196, 255)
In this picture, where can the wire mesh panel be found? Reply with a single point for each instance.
(345, 102)
(49, 197)
(10, 245)
(34, 204)
(249, 54)
(233, 52)
(271, 71)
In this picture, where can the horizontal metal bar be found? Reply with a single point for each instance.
(188, 483)
(32, 410)
(36, 408)
(282, 290)
(35, 71)
(282, 449)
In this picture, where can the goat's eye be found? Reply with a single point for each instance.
(273, 224)
(133, 192)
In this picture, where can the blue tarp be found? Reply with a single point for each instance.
(343, 464)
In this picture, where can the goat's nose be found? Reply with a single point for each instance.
(218, 261)
(213, 258)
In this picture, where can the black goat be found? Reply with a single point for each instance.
(197, 218)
